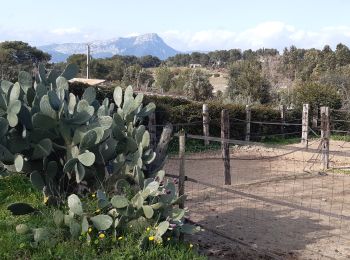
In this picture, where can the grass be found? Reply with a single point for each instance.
(339, 171)
(192, 146)
(338, 137)
(16, 188)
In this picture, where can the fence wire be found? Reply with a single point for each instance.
(281, 199)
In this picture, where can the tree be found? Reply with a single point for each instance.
(180, 79)
(18, 55)
(149, 61)
(235, 55)
(144, 79)
(179, 60)
(198, 86)
(342, 54)
(80, 61)
(163, 78)
(131, 74)
(338, 79)
(291, 61)
(99, 69)
(249, 55)
(117, 67)
(316, 95)
(245, 80)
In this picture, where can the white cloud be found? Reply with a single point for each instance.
(65, 31)
(271, 34)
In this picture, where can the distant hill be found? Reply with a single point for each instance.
(146, 44)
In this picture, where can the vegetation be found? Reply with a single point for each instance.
(198, 86)
(246, 81)
(16, 56)
(77, 148)
(14, 246)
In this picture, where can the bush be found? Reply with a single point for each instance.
(180, 112)
(188, 115)
(316, 95)
(14, 246)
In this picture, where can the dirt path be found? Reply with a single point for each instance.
(280, 202)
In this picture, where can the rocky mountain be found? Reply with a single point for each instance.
(146, 44)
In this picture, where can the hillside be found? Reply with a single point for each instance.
(146, 44)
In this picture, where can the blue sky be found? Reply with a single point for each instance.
(185, 25)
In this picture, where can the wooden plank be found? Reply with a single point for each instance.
(305, 125)
(325, 135)
(248, 113)
(206, 122)
(225, 134)
(283, 119)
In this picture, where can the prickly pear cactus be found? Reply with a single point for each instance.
(69, 144)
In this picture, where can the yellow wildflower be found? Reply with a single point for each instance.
(191, 245)
(93, 195)
(168, 238)
(90, 230)
(130, 226)
(148, 229)
(102, 236)
(98, 211)
(151, 238)
(120, 238)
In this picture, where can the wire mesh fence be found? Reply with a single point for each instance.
(281, 199)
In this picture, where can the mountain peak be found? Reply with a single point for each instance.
(148, 38)
(141, 45)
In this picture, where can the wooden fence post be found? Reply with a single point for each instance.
(152, 128)
(283, 119)
(206, 123)
(182, 145)
(248, 117)
(325, 135)
(314, 117)
(305, 125)
(225, 134)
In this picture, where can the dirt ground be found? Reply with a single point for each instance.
(281, 203)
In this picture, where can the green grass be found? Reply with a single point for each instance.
(338, 137)
(339, 171)
(16, 188)
(192, 146)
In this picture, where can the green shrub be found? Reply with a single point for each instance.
(181, 112)
(72, 146)
(67, 144)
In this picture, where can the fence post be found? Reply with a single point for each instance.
(152, 128)
(314, 117)
(325, 134)
(206, 123)
(225, 134)
(182, 145)
(305, 125)
(283, 119)
(248, 117)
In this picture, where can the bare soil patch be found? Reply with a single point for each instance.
(279, 202)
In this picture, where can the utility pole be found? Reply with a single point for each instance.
(87, 60)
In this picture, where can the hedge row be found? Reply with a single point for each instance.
(185, 114)
(188, 115)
